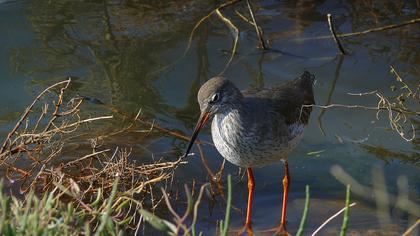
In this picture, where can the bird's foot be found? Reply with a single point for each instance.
(280, 231)
(246, 230)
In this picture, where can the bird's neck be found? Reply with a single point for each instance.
(230, 120)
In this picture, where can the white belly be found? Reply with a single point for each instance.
(241, 148)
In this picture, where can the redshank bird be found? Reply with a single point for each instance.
(256, 127)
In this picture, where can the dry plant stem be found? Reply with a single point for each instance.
(29, 109)
(178, 219)
(330, 92)
(411, 228)
(153, 125)
(383, 105)
(366, 108)
(205, 164)
(257, 28)
(332, 29)
(377, 29)
(244, 18)
(86, 157)
(21, 190)
(72, 125)
(331, 218)
(215, 178)
(235, 32)
(196, 205)
(82, 177)
(224, 5)
(231, 26)
(375, 92)
(405, 85)
(189, 200)
(43, 113)
(388, 27)
(57, 107)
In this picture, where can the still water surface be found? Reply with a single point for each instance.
(129, 54)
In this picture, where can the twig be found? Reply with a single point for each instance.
(330, 92)
(195, 211)
(244, 18)
(235, 33)
(405, 85)
(29, 109)
(257, 28)
(332, 29)
(417, 113)
(205, 164)
(57, 106)
(189, 202)
(60, 129)
(331, 218)
(411, 228)
(224, 5)
(377, 29)
(85, 157)
(388, 27)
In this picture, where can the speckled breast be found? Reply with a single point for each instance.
(245, 145)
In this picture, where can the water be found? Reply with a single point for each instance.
(129, 55)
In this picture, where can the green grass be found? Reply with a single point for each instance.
(49, 215)
(305, 213)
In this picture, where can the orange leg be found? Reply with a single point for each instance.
(251, 186)
(286, 184)
(281, 229)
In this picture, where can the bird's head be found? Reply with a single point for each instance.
(217, 95)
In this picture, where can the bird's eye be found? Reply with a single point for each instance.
(214, 98)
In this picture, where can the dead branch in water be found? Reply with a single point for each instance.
(397, 111)
(235, 33)
(373, 30)
(232, 27)
(257, 28)
(203, 19)
(332, 29)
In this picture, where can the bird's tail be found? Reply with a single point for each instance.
(306, 80)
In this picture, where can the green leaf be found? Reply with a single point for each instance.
(315, 153)
(158, 223)
(98, 198)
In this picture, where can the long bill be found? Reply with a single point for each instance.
(204, 117)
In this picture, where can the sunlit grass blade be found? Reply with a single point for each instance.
(158, 223)
(224, 226)
(106, 216)
(346, 213)
(305, 213)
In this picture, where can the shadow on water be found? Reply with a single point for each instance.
(129, 55)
